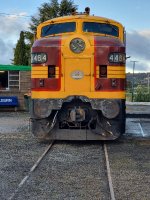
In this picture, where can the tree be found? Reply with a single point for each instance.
(51, 10)
(141, 96)
(66, 7)
(20, 52)
(47, 11)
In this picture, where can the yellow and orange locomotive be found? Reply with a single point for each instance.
(78, 79)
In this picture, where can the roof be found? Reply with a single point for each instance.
(78, 16)
(14, 68)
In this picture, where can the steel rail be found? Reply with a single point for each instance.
(23, 181)
(112, 195)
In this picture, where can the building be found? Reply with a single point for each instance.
(15, 81)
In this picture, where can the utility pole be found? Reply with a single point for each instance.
(133, 61)
(148, 83)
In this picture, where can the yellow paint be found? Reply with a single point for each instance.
(39, 76)
(57, 69)
(79, 19)
(57, 76)
(55, 95)
(116, 68)
(116, 76)
(83, 63)
(39, 72)
(97, 71)
(75, 66)
(39, 68)
(116, 72)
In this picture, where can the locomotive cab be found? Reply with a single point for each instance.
(78, 79)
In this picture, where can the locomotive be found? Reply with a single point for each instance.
(78, 78)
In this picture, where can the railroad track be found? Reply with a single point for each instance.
(111, 189)
(84, 174)
(23, 181)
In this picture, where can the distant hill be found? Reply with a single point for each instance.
(139, 78)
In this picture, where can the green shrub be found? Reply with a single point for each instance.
(141, 95)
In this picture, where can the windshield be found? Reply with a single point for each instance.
(103, 28)
(58, 28)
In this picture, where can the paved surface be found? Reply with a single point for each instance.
(138, 108)
(137, 128)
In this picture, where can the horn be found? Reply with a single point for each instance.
(73, 11)
(87, 10)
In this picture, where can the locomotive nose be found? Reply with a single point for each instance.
(78, 59)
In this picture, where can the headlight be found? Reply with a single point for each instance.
(77, 45)
(41, 108)
(110, 109)
(117, 58)
(38, 58)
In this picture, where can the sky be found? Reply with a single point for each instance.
(133, 14)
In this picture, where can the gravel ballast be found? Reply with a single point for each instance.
(130, 169)
(72, 170)
(18, 151)
(69, 171)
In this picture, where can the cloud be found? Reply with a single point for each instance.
(145, 33)
(6, 51)
(138, 47)
(138, 42)
(11, 26)
(140, 66)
